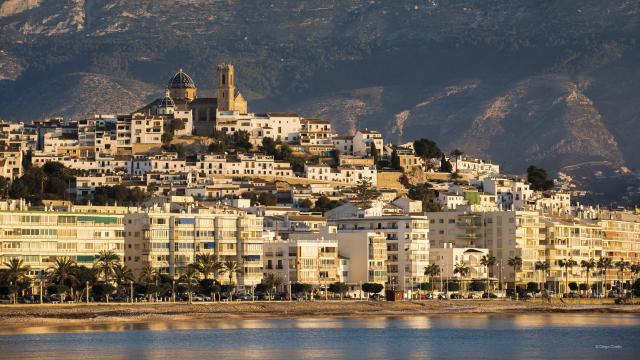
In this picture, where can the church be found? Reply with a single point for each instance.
(197, 115)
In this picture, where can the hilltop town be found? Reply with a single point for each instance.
(192, 195)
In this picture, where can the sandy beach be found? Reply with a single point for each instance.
(19, 316)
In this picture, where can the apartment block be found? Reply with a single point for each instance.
(407, 243)
(40, 237)
(304, 258)
(169, 242)
(367, 254)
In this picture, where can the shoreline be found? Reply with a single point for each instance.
(68, 315)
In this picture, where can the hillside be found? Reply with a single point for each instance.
(520, 82)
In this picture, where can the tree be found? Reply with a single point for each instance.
(567, 264)
(426, 148)
(306, 204)
(445, 165)
(604, 264)
(231, 267)
(297, 288)
(122, 275)
(461, 269)
(166, 138)
(82, 276)
(395, 160)
(588, 266)
(16, 274)
(268, 146)
(339, 288)
(532, 287)
(488, 261)
(268, 199)
(635, 270)
(477, 285)
(621, 266)
(241, 140)
(425, 193)
(537, 177)
(210, 286)
(106, 264)
(63, 272)
(189, 276)
(270, 282)
(372, 288)
(456, 153)
(103, 289)
(148, 274)
(542, 266)
(515, 263)
(365, 192)
(324, 204)
(207, 264)
(286, 154)
(4, 187)
(432, 270)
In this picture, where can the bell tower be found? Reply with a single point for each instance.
(225, 87)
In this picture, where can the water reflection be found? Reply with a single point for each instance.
(478, 336)
(452, 321)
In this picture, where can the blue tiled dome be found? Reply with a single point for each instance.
(181, 81)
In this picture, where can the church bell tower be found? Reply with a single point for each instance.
(225, 87)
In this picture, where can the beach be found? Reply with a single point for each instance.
(17, 316)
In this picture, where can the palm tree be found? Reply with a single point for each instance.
(604, 263)
(488, 261)
(16, 273)
(567, 264)
(462, 269)
(588, 266)
(83, 278)
(63, 272)
(543, 266)
(106, 263)
(621, 266)
(635, 270)
(271, 281)
(208, 264)
(431, 270)
(231, 267)
(515, 263)
(147, 274)
(121, 275)
(189, 276)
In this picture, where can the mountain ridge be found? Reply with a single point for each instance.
(517, 82)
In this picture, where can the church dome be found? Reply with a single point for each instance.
(167, 101)
(181, 81)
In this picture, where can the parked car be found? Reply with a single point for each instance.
(376, 297)
(571, 296)
(473, 296)
(489, 296)
(261, 296)
(200, 297)
(281, 296)
(456, 296)
(242, 297)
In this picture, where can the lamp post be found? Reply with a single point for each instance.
(131, 290)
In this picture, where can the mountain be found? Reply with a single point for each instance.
(551, 83)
